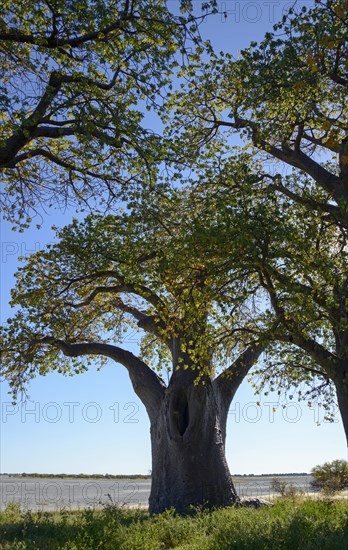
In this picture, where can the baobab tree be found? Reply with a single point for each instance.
(140, 269)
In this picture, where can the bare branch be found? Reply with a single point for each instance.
(229, 381)
(147, 385)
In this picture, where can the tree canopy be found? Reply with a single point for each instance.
(287, 97)
(135, 270)
(77, 76)
(299, 259)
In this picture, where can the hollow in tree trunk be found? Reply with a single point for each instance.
(188, 450)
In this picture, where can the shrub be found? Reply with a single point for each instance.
(284, 488)
(331, 476)
(279, 486)
(12, 510)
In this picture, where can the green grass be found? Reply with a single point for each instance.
(289, 524)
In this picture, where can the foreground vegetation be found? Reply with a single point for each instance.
(290, 524)
(331, 476)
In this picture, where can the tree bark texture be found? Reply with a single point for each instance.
(189, 467)
(341, 385)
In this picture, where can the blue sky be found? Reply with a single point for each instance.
(94, 423)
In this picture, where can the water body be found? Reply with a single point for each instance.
(74, 493)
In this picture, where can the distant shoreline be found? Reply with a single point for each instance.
(129, 476)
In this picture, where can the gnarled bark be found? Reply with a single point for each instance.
(189, 467)
(188, 436)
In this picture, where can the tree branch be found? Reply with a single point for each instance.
(328, 181)
(140, 290)
(99, 290)
(300, 199)
(229, 381)
(82, 79)
(149, 323)
(11, 34)
(24, 133)
(327, 360)
(147, 385)
(302, 288)
(39, 152)
(322, 356)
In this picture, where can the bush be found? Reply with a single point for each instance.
(331, 476)
(279, 486)
(284, 488)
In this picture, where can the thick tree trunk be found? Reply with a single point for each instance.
(341, 384)
(188, 452)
